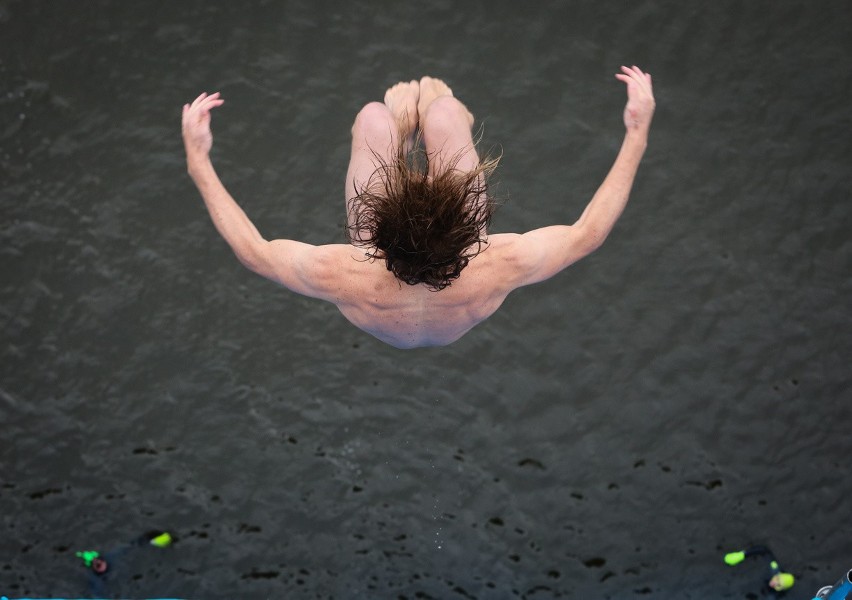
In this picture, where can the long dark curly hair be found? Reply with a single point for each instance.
(426, 229)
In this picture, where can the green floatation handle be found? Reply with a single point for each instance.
(162, 540)
(734, 558)
(787, 580)
(88, 556)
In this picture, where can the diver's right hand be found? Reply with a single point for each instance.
(197, 137)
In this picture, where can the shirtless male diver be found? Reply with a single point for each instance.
(420, 268)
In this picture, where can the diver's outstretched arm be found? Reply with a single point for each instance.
(230, 220)
(609, 201)
(295, 265)
(546, 251)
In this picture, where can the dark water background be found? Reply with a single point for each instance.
(607, 434)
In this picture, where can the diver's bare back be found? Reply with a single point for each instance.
(413, 316)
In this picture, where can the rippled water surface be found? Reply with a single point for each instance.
(607, 434)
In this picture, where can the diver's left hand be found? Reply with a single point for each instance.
(640, 98)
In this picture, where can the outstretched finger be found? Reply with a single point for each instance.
(626, 75)
(644, 76)
(628, 79)
(637, 70)
(211, 101)
(635, 74)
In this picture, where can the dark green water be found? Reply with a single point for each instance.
(607, 434)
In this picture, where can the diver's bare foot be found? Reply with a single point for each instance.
(431, 88)
(402, 99)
